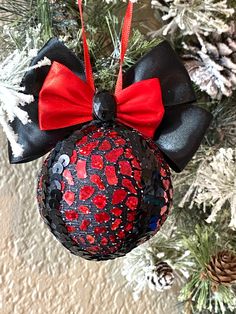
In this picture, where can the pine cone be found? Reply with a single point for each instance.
(161, 278)
(222, 268)
(212, 65)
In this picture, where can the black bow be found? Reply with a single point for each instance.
(181, 130)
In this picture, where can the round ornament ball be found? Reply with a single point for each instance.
(104, 190)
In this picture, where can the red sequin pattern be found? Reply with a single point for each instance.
(104, 194)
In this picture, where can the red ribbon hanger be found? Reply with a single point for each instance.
(66, 100)
(124, 46)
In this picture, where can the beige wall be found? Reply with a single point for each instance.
(37, 275)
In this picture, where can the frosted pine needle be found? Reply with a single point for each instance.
(215, 185)
(12, 95)
(193, 16)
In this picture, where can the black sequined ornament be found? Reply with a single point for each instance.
(104, 190)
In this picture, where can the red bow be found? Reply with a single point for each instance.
(66, 100)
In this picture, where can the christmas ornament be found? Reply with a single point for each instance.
(106, 185)
(161, 278)
(104, 190)
(222, 268)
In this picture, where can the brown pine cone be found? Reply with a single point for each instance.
(222, 268)
(211, 63)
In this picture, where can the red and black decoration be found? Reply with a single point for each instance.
(106, 185)
(104, 190)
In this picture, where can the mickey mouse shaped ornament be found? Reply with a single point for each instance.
(106, 185)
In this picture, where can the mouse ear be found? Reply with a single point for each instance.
(181, 132)
(35, 142)
(184, 125)
(162, 62)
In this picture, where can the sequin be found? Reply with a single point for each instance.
(69, 197)
(166, 184)
(99, 230)
(90, 239)
(120, 142)
(102, 217)
(68, 176)
(71, 215)
(63, 186)
(81, 240)
(129, 227)
(104, 241)
(105, 145)
(132, 202)
(75, 239)
(118, 196)
(116, 224)
(84, 209)
(54, 204)
(97, 135)
(136, 164)
(112, 134)
(126, 183)
(128, 153)
(97, 180)
(153, 222)
(100, 201)
(110, 173)
(56, 194)
(97, 162)
(116, 211)
(73, 157)
(57, 184)
(92, 249)
(87, 149)
(114, 154)
(163, 210)
(81, 169)
(131, 216)
(163, 172)
(57, 168)
(84, 225)
(40, 183)
(112, 238)
(64, 160)
(70, 228)
(86, 192)
(137, 175)
(121, 234)
(125, 168)
(82, 141)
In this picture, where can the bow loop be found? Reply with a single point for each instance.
(140, 106)
(65, 99)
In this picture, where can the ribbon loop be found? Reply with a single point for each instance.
(87, 61)
(124, 46)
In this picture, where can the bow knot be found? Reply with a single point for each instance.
(104, 106)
